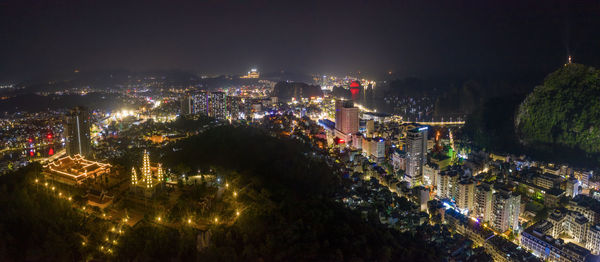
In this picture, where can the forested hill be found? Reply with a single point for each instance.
(558, 121)
(564, 111)
(290, 213)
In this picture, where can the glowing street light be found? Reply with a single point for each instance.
(158, 219)
(189, 221)
(237, 213)
(234, 194)
(216, 220)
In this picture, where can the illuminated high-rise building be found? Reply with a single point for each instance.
(77, 132)
(200, 101)
(187, 105)
(465, 200)
(218, 105)
(346, 117)
(506, 207)
(483, 201)
(416, 154)
(213, 104)
(233, 107)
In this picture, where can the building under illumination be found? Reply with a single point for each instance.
(187, 105)
(77, 132)
(416, 154)
(150, 178)
(346, 119)
(213, 104)
(252, 74)
(74, 170)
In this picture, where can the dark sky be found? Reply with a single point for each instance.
(421, 37)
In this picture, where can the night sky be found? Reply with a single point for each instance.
(219, 36)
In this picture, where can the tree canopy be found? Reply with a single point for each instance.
(564, 111)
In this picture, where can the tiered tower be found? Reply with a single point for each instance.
(134, 179)
(160, 174)
(146, 172)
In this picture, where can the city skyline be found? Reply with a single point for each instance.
(263, 130)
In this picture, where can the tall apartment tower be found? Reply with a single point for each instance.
(218, 105)
(213, 104)
(233, 106)
(505, 210)
(416, 154)
(466, 196)
(187, 105)
(77, 132)
(346, 117)
(483, 201)
(201, 103)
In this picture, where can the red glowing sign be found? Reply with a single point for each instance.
(31, 153)
(354, 84)
(30, 140)
(354, 91)
(49, 136)
(51, 151)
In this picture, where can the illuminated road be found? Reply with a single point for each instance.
(443, 123)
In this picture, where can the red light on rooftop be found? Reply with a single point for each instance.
(49, 136)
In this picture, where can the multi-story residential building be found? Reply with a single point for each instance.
(483, 201)
(466, 196)
(187, 105)
(430, 173)
(506, 207)
(536, 240)
(546, 180)
(447, 183)
(593, 239)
